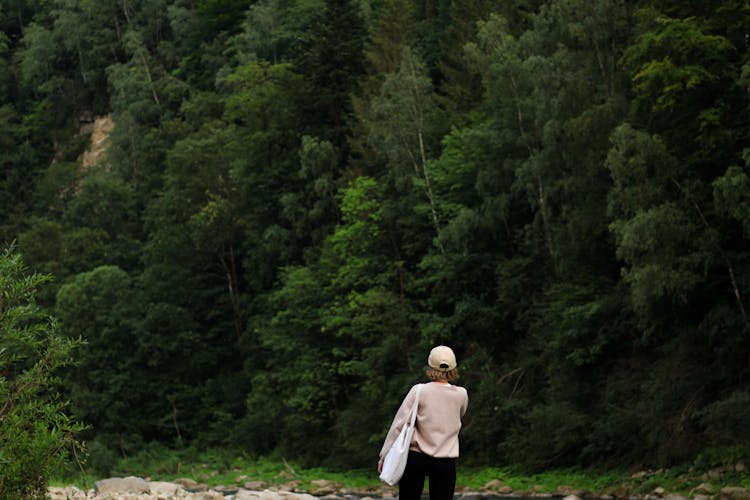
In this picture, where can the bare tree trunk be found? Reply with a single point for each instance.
(724, 256)
(541, 197)
(417, 111)
(230, 273)
(150, 79)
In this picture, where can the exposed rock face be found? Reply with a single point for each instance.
(100, 131)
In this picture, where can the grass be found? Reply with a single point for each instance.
(218, 467)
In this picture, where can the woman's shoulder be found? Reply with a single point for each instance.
(461, 389)
(443, 387)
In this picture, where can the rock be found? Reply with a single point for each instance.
(226, 490)
(241, 479)
(702, 489)
(255, 485)
(645, 496)
(719, 471)
(257, 495)
(740, 467)
(322, 487)
(735, 493)
(701, 497)
(290, 486)
(165, 489)
(619, 491)
(498, 487)
(470, 495)
(493, 485)
(659, 491)
(572, 497)
(207, 495)
(67, 493)
(100, 130)
(303, 496)
(120, 485)
(565, 491)
(672, 496)
(186, 483)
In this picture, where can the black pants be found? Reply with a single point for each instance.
(441, 471)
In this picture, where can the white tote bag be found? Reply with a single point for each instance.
(395, 460)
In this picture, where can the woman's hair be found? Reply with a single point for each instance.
(437, 375)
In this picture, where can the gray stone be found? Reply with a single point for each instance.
(565, 490)
(735, 493)
(322, 487)
(572, 497)
(259, 495)
(67, 493)
(207, 495)
(165, 489)
(297, 496)
(255, 485)
(493, 484)
(673, 496)
(122, 485)
(186, 482)
(703, 488)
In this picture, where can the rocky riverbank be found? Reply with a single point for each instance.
(134, 488)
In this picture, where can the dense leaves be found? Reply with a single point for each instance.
(300, 197)
(36, 432)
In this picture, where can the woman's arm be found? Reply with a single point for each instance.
(399, 420)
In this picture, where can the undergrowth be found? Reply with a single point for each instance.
(222, 467)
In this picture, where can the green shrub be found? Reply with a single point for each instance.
(102, 459)
(716, 456)
(36, 435)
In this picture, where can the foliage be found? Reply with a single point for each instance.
(37, 434)
(300, 197)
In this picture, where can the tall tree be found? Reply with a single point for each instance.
(334, 63)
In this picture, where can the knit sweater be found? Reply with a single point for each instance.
(441, 407)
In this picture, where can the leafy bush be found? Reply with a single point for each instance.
(548, 435)
(36, 435)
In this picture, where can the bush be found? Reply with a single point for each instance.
(36, 435)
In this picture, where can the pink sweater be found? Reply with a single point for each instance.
(441, 407)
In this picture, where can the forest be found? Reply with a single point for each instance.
(297, 199)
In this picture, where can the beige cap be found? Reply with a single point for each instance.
(442, 358)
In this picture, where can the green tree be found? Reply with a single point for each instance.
(406, 128)
(37, 433)
(333, 63)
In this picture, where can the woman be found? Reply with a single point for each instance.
(434, 447)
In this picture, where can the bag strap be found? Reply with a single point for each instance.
(413, 417)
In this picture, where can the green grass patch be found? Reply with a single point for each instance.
(221, 467)
(547, 482)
